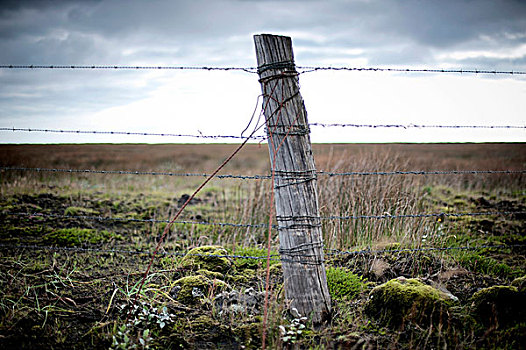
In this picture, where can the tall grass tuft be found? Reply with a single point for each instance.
(370, 195)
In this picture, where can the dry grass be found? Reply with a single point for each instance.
(247, 201)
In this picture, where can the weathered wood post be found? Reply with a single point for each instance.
(296, 199)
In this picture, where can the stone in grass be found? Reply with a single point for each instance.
(500, 305)
(400, 300)
(191, 290)
(207, 258)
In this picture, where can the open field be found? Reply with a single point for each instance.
(74, 246)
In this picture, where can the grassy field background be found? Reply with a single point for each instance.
(79, 288)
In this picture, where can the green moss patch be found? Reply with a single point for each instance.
(251, 263)
(401, 300)
(70, 237)
(342, 283)
(520, 284)
(208, 258)
(191, 290)
(476, 261)
(78, 211)
(210, 274)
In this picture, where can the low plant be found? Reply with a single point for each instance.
(291, 333)
(342, 283)
(145, 321)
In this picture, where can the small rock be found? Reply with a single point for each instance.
(236, 301)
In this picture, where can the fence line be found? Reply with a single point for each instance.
(124, 251)
(261, 137)
(262, 225)
(304, 69)
(60, 131)
(424, 249)
(262, 177)
(272, 257)
(253, 70)
(412, 216)
(422, 172)
(418, 126)
(117, 67)
(132, 172)
(125, 219)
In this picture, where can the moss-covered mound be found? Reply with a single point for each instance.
(499, 305)
(191, 290)
(520, 284)
(401, 300)
(210, 258)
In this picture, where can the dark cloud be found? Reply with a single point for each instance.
(392, 32)
(467, 34)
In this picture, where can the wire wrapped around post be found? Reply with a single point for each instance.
(294, 178)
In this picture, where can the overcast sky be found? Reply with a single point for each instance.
(449, 34)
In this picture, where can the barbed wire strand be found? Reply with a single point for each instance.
(331, 252)
(422, 172)
(417, 126)
(124, 67)
(261, 177)
(261, 225)
(253, 70)
(126, 219)
(133, 133)
(133, 172)
(125, 251)
(261, 138)
(413, 216)
(306, 69)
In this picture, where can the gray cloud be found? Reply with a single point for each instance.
(466, 34)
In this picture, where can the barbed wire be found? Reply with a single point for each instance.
(131, 252)
(418, 126)
(272, 257)
(127, 219)
(61, 131)
(422, 249)
(422, 172)
(263, 225)
(306, 69)
(261, 177)
(134, 172)
(259, 137)
(412, 216)
(124, 67)
(253, 70)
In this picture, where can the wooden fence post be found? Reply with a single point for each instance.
(296, 199)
